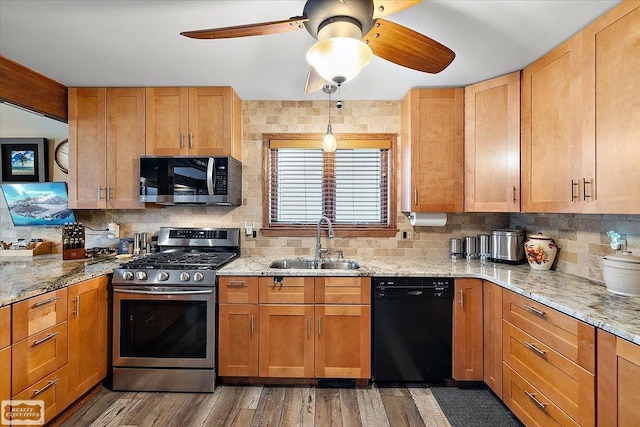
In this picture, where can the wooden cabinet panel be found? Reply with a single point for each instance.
(566, 335)
(238, 337)
(432, 127)
(467, 330)
(52, 390)
(492, 346)
(611, 125)
(238, 290)
(531, 406)
(167, 121)
(286, 341)
(342, 290)
(492, 145)
(343, 341)
(38, 356)
(551, 130)
(87, 335)
(569, 386)
(5, 373)
(286, 290)
(38, 313)
(618, 381)
(5, 326)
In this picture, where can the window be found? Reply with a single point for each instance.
(352, 186)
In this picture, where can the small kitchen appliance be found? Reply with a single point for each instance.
(455, 248)
(621, 273)
(164, 311)
(470, 247)
(507, 246)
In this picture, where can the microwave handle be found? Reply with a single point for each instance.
(211, 175)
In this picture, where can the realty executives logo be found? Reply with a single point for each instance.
(22, 412)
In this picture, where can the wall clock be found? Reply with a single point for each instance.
(61, 156)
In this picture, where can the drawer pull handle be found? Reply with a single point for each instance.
(47, 338)
(461, 292)
(319, 325)
(573, 194)
(532, 396)
(49, 384)
(533, 347)
(253, 325)
(534, 310)
(308, 326)
(237, 284)
(45, 302)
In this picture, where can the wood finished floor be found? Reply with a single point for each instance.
(264, 406)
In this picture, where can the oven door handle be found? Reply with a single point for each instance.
(147, 291)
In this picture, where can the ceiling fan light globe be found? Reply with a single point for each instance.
(329, 143)
(339, 59)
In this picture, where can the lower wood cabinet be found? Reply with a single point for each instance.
(295, 327)
(5, 353)
(467, 330)
(618, 381)
(52, 390)
(492, 325)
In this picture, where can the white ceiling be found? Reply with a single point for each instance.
(137, 43)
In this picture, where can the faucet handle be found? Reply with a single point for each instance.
(340, 253)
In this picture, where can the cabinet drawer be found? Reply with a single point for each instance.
(38, 313)
(286, 290)
(343, 290)
(568, 336)
(5, 374)
(531, 406)
(569, 386)
(52, 390)
(5, 326)
(38, 356)
(238, 290)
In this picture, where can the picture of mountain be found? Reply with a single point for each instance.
(38, 204)
(23, 162)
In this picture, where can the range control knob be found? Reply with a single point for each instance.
(141, 275)
(197, 276)
(184, 276)
(163, 276)
(127, 275)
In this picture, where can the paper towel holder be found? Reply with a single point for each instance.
(427, 219)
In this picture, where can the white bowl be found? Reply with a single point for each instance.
(621, 274)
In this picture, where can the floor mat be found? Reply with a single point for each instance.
(473, 407)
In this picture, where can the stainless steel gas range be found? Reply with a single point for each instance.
(164, 311)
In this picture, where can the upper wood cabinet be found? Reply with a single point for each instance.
(106, 140)
(551, 130)
(432, 143)
(612, 112)
(194, 121)
(492, 145)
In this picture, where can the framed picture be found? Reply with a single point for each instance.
(23, 160)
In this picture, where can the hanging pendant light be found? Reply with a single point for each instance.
(329, 142)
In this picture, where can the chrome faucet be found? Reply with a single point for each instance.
(319, 250)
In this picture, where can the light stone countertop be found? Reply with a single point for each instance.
(583, 299)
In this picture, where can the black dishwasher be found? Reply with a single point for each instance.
(412, 329)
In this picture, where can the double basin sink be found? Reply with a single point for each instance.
(309, 264)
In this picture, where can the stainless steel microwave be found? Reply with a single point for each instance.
(173, 180)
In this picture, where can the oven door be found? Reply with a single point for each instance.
(170, 327)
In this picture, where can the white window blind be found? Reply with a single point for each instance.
(350, 186)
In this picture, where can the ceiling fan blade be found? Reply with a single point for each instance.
(314, 82)
(262, 28)
(387, 7)
(403, 46)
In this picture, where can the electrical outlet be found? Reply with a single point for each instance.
(407, 235)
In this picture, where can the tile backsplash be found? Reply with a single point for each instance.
(582, 239)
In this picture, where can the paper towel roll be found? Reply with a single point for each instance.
(428, 219)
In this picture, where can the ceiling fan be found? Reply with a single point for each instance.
(349, 24)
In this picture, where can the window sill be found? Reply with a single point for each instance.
(310, 231)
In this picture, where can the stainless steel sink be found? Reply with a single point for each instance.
(344, 264)
(299, 263)
(308, 264)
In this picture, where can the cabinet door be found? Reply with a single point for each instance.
(492, 145)
(167, 121)
(432, 128)
(551, 130)
(343, 341)
(125, 145)
(87, 335)
(5, 373)
(286, 341)
(612, 130)
(238, 340)
(492, 325)
(50, 389)
(38, 313)
(618, 381)
(87, 153)
(5, 326)
(467, 330)
(238, 290)
(211, 116)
